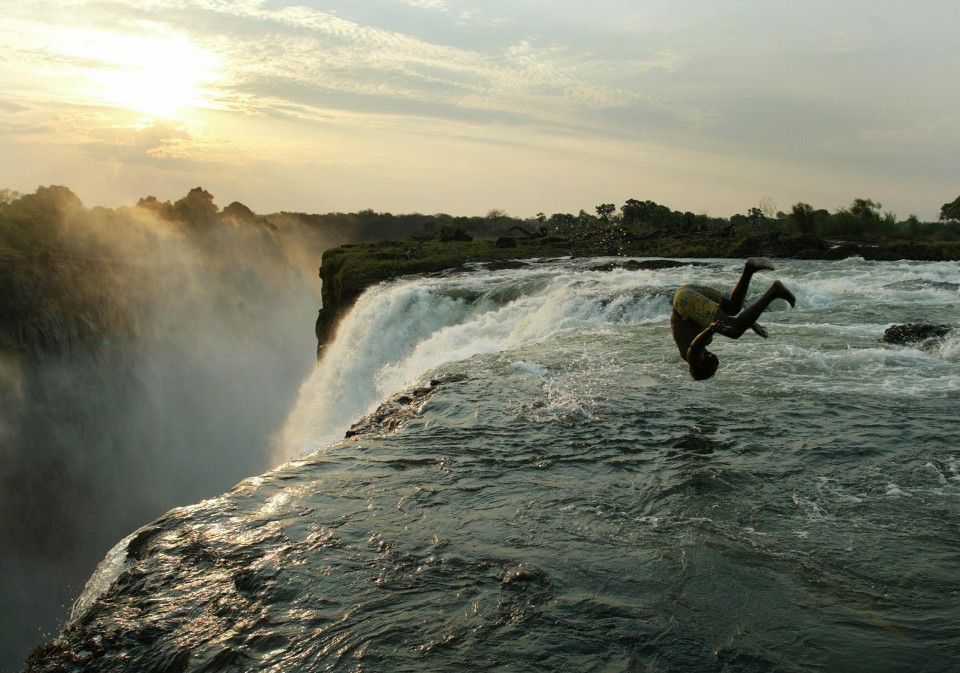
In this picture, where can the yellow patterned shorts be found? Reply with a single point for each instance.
(697, 303)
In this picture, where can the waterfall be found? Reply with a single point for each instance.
(401, 330)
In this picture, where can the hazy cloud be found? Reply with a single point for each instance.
(439, 5)
(319, 51)
(11, 106)
(145, 141)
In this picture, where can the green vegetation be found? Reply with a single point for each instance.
(54, 220)
(950, 212)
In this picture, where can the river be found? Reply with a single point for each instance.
(545, 488)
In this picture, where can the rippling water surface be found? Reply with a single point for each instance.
(548, 490)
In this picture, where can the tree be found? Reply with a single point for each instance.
(690, 223)
(52, 201)
(197, 207)
(163, 209)
(450, 232)
(865, 210)
(8, 196)
(38, 221)
(645, 212)
(562, 222)
(495, 215)
(632, 212)
(605, 210)
(914, 226)
(239, 213)
(768, 207)
(950, 212)
(802, 218)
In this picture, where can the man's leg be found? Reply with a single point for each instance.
(734, 304)
(735, 326)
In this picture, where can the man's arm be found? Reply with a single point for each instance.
(701, 341)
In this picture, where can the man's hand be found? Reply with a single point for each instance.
(760, 330)
(720, 327)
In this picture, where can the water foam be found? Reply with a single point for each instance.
(399, 331)
(105, 574)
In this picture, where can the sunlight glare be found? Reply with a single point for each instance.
(161, 76)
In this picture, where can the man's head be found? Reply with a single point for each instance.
(705, 366)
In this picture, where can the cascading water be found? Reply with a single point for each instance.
(401, 330)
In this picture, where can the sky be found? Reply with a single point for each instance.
(465, 106)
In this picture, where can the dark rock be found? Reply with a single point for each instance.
(506, 265)
(505, 242)
(136, 548)
(777, 244)
(400, 408)
(643, 265)
(922, 335)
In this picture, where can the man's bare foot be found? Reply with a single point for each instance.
(758, 263)
(784, 293)
(760, 330)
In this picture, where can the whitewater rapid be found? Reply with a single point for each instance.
(400, 331)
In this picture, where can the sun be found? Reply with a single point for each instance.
(158, 75)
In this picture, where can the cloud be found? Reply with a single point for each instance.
(930, 146)
(940, 131)
(299, 56)
(145, 142)
(438, 5)
(25, 131)
(305, 63)
(12, 106)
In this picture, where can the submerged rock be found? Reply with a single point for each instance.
(644, 265)
(400, 408)
(921, 335)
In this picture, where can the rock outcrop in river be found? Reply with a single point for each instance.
(921, 335)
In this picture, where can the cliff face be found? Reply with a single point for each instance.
(55, 306)
(339, 291)
(65, 327)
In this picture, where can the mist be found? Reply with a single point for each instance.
(196, 329)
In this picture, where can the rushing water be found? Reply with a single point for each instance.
(552, 491)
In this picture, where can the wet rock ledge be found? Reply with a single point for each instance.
(400, 408)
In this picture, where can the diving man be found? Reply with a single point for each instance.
(700, 311)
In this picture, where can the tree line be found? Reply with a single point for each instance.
(54, 219)
(862, 219)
